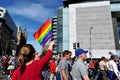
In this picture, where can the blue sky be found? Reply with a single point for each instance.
(31, 14)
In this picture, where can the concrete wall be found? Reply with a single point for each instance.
(65, 29)
(97, 15)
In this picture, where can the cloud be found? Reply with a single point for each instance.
(34, 11)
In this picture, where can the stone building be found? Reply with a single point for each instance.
(8, 32)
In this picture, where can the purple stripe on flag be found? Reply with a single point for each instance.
(48, 36)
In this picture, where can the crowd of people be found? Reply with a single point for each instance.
(81, 68)
(8, 64)
(30, 66)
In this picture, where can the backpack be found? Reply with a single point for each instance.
(118, 65)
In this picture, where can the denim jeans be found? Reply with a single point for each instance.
(58, 76)
(112, 75)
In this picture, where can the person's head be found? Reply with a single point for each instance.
(81, 53)
(67, 54)
(53, 59)
(26, 54)
(61, 55)
(103, 58)
(115, 58)
(112, 57)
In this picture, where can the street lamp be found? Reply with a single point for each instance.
(7, 45)
(90, 44)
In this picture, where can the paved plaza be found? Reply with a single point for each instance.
(3, 77)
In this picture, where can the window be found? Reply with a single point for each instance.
(1, 10)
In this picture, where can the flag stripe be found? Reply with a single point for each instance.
(44, 32)
(46, 38)
(41, 29)
(42, 37)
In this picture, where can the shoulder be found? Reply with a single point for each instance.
(49, 51)
(111, 62)
(16, 74)
(17, 70)
(78, 63)
(62, 61)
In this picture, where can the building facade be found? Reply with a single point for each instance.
(54, 31)
(21, 38)
(93, 24)
(67, 2)
(59, 30)
(8, 32)
(102, 38)
(63, 29)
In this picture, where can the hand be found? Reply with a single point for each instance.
(52, 42)
(51, 45)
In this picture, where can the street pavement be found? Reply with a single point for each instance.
(3, 77)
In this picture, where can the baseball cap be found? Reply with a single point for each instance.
(80, 51)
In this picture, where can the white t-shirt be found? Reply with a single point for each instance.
(112, 66)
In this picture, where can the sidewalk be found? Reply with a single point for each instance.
(3, 77)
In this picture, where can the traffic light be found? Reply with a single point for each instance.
(78, 45)
(74, 45)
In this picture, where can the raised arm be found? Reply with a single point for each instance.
(52, 43)
(48, 54)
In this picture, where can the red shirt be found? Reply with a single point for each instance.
(33, 71)
(52, 67)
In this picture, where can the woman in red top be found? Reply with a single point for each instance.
(31, 69)
(52, 68)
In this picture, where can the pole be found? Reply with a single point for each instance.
(90, 43)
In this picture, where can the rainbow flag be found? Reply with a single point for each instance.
(43, 33)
